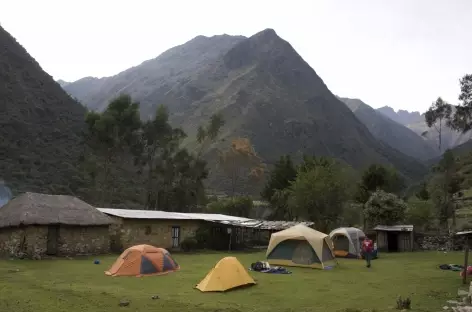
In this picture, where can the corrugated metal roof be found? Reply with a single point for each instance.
(394, 228)
(464, 233)
(215, 217)
(210, 217)
(158, 214)
(144, 214)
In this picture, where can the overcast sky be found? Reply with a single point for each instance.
(400, 53)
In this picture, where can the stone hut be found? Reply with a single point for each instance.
(35, 225)
(158, 228)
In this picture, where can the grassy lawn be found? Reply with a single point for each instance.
(79, 285)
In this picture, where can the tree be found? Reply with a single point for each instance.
(174, 176)
(236, 206)
(462, 119)
(241, 161)
(182, 182)
(159, 142)
(437, 116)
(422, 193)
(420, 213)
(281, 205)
(384, 208)
(443, 185)
(377, 177)
(208, 134)
(320, 191)
(111, 135)
(281, 176)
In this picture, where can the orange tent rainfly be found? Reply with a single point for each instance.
(228, 273)
(142, 260)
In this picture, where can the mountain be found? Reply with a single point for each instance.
(415, 121)
(401, 116)
(392, 133)
(40, 125)
(265, 91)
(62, 83)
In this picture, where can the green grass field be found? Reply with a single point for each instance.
(79, 285)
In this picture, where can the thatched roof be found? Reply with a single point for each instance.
(42, 209)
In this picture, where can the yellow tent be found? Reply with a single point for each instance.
(228, 273)
(300, 246)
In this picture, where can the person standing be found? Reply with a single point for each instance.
(367, 249)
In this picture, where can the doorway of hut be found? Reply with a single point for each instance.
(392, 241)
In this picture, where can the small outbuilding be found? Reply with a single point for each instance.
(34, 225)
(394, 238)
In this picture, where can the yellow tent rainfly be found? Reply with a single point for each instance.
(227, 274)
(301, 246)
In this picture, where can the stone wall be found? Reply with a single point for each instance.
(26, 241)
(441, 242)
(129, 232)
(83, 240)
(32, 241)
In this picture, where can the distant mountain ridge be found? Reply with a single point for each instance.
(416, 122)
(265, 91)
(401, 116)
(391, 132)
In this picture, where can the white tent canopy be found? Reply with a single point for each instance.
(347, 241)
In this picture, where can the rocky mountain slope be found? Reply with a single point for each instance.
(415, 121)
(391, 132)
(40, 125)
(265, 91)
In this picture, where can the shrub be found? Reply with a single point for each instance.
(203, 237)
(189, 244)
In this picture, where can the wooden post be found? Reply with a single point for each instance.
(230, 230)
(466, 260)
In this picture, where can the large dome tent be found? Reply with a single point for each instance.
(300, 246)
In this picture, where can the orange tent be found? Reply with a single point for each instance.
(142, 260)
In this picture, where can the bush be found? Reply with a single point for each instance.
(189, 244)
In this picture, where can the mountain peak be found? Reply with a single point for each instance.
(268, 32)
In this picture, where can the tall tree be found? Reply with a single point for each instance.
(159, 143)
(283, 173)
(377, 177)
(206, 134)
(444, 184)
(240, 161)
(174, 176)
(111, 135)
(462, 119)
(437, 117)
(320, 191)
